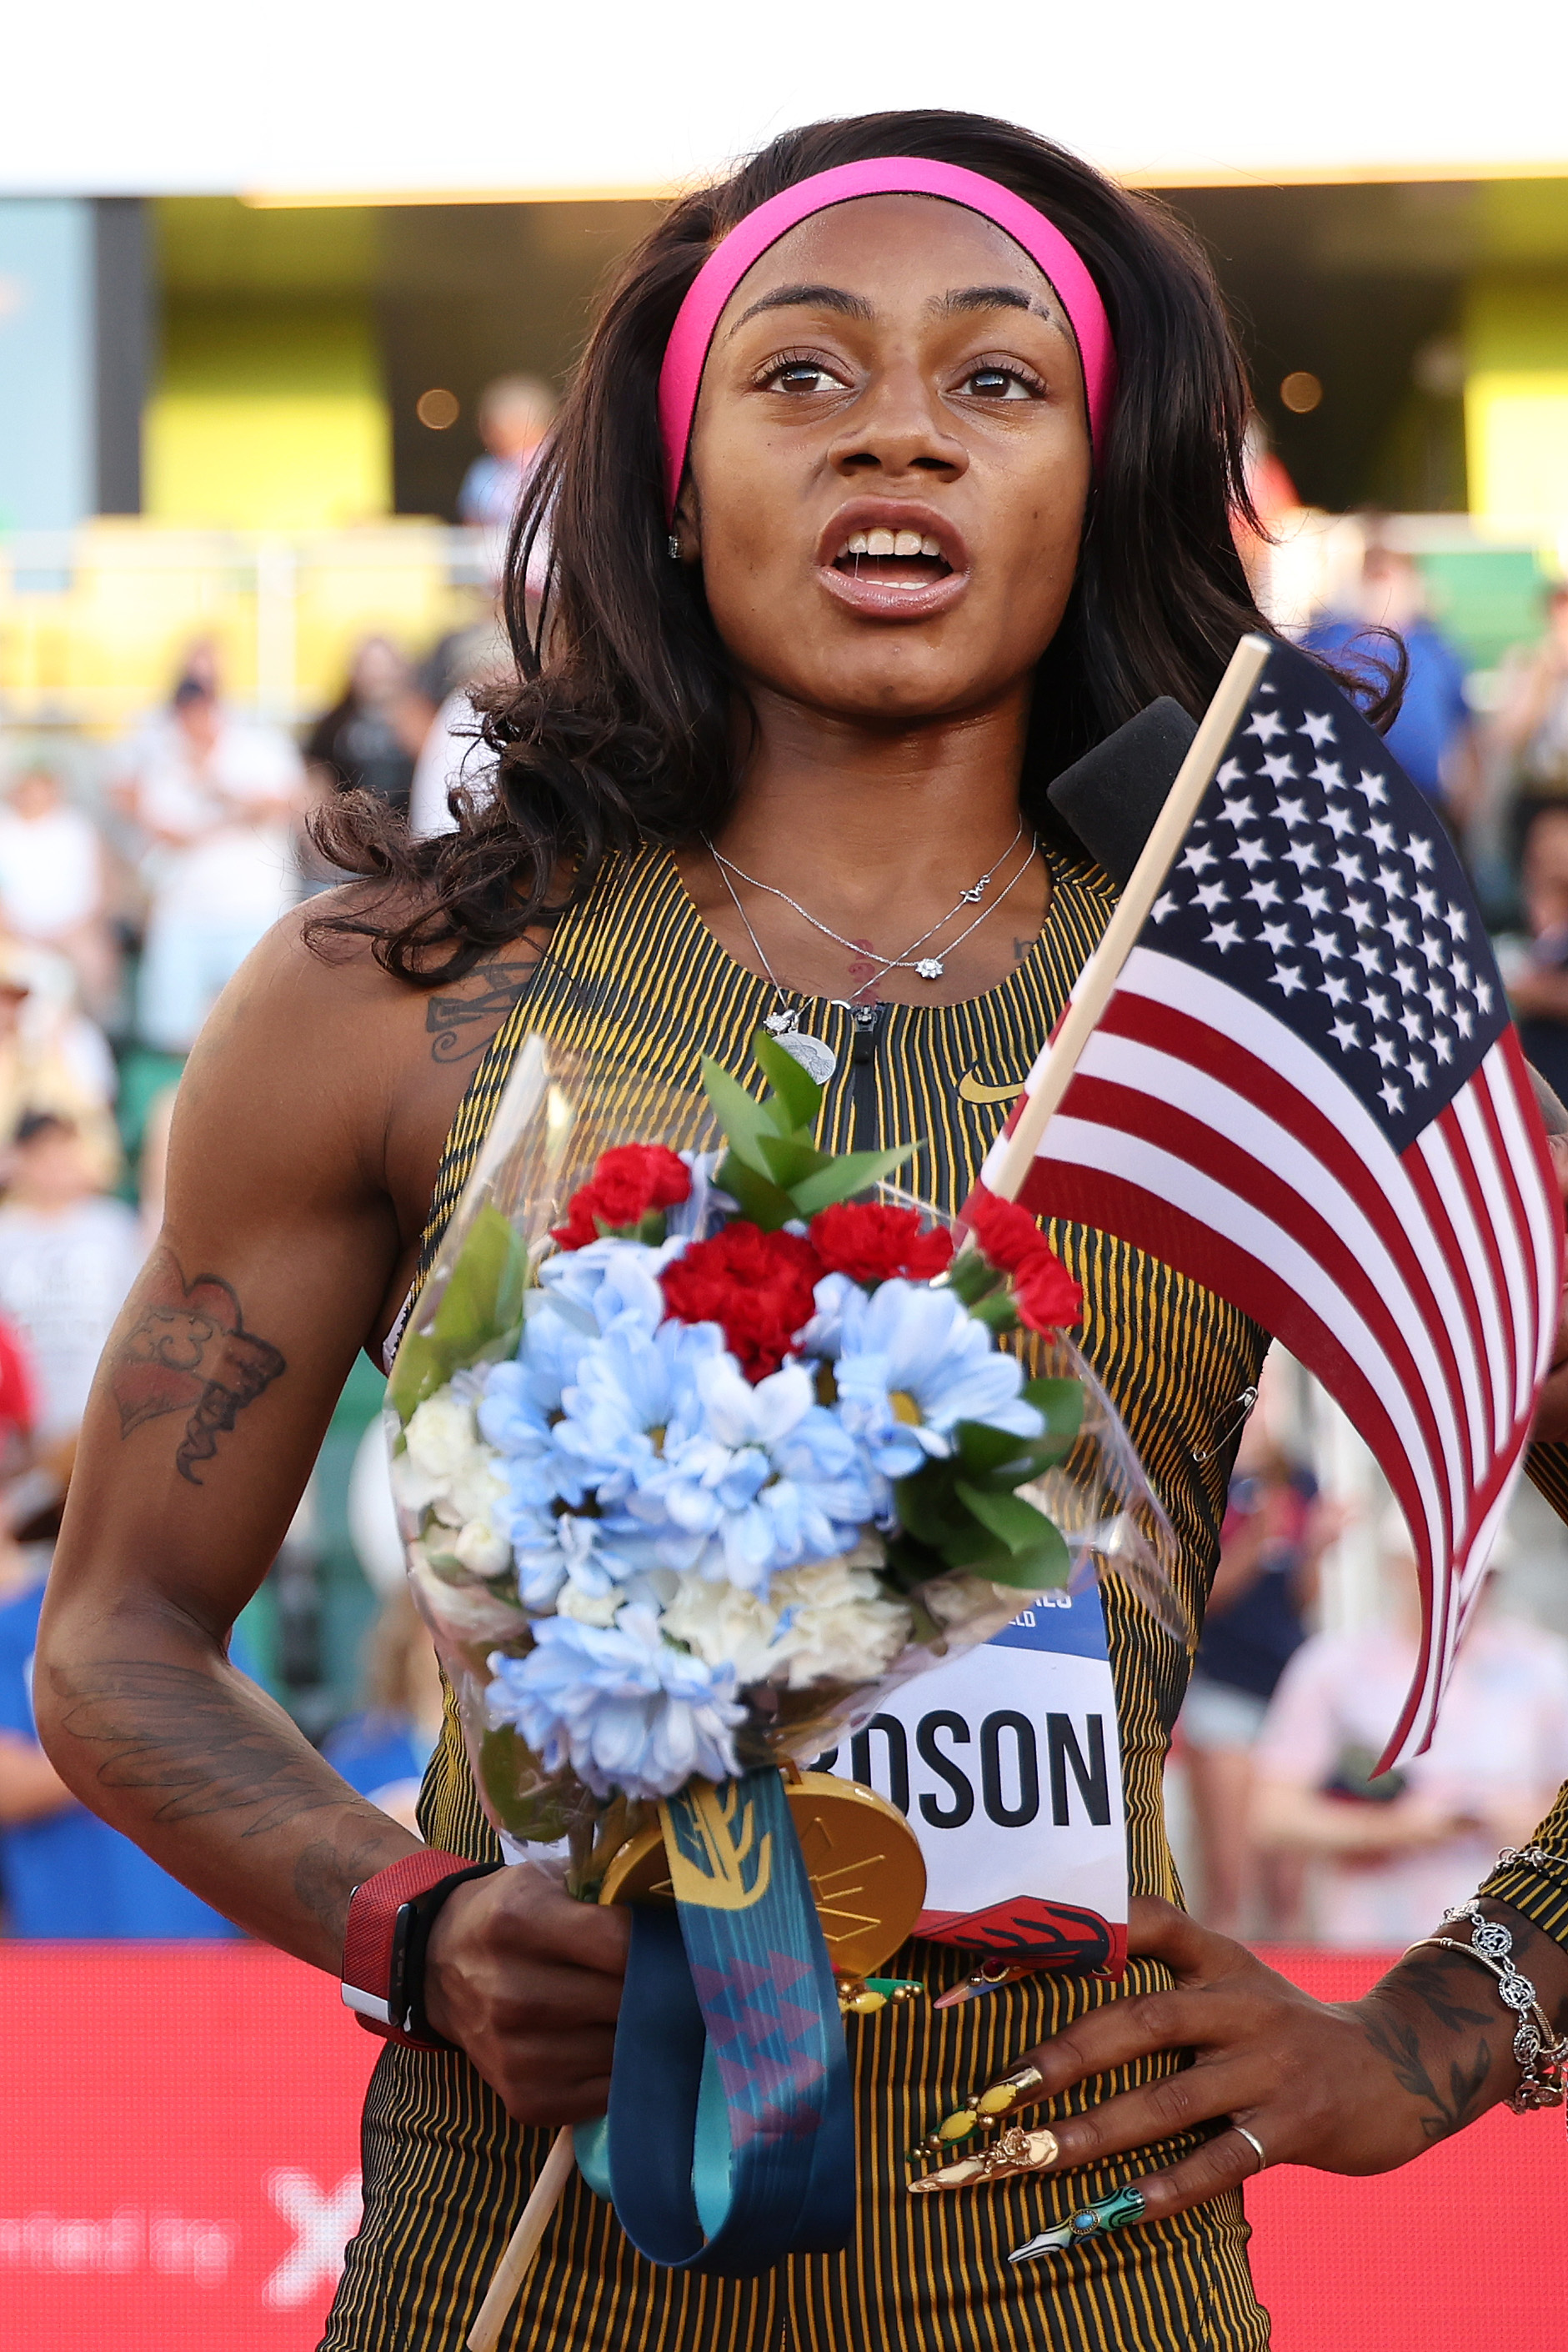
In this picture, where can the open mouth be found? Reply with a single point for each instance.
(892, 559)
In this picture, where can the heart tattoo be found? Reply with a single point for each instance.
(189, 1351)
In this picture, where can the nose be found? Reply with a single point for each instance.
(899, 427)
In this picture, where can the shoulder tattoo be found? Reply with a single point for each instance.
(188, 1351)
(460, 1024)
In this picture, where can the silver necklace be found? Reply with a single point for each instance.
(930, 967)
(815, 1055)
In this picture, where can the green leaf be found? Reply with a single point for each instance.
(790, 1161)
(1008, 1517)
(420, 1368)
(1061, 1403)
(797, 1089)
(483, 1293)
(853, 1173)
(983, 1448)
(765, 1203)
(744, 1120)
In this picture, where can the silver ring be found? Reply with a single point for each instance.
(1254, 2143)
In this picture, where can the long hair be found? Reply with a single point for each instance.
(617, 727)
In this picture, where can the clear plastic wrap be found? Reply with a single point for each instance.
(654, 1546)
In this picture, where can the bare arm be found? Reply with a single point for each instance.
(278, 1244)
(306, 1141)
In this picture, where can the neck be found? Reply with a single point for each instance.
(876, 828)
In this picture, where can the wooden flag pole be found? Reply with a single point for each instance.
(1103, 969)
(523, 2244)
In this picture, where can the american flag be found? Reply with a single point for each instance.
(1304, 1092)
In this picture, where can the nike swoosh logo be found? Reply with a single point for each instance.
(973, 1089)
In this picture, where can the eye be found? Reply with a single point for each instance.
(1002, 380)
(799, 372)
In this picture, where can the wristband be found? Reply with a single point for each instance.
(389, 1919)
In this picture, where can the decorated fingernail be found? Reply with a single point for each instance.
(1000, 2097)
(1115, 2213)
(1015, 2151)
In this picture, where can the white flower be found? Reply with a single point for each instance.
(483, 1550)
(446, 1466)
(840, 1624)
(588, 1607)
(828, 1621)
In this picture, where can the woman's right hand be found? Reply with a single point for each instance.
(528, 1981)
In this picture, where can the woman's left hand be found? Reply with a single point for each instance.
(1356, 2086)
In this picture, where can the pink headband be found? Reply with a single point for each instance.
(685, 355)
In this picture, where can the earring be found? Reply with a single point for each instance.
(675, 549)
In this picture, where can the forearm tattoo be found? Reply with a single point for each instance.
(190, 1745)
(189, 1351)
(1451, 2081)
(459, 1027)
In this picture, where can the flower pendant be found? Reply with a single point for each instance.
(930, 967)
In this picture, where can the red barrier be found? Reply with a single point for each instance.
(179, 2170)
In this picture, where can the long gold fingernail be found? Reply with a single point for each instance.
(997, 2098)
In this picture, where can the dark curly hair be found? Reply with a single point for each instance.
(617, 728)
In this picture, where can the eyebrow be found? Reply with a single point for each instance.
(987, 298)
(808, 298)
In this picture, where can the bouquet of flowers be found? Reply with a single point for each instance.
(695, 1453)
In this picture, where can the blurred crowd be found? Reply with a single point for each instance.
(135, 879)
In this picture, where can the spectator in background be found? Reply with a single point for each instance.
(218, 798)
(54, 882)
(515, 414)
(1538, 977)
(370, 738)
(1389, 1854)
(69, 1255)
(1529, 725)
(1433, 739)
(52, 1058)
(383, 1751)
(1273, 1537)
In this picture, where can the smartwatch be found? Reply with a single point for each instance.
(389, 1919)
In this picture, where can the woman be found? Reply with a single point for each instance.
(806, 665)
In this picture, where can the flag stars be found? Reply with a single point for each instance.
(1348, 866)
(1346, 1034)
(1279, 769)
(1166, 905)
(1265, 725)
(1232, 772)
(1276, 936)
(1392, 1097)
(1210, 895)
(1367, 956)
(1223, 936)
(1252, 853)
(1420, 1071)
(1336, 987)
(1316, 901)
(1330, 774)
(1415, 1028)
(1317, 728)
(1304, 855)
(1392, 883)
(1387, 1052)
(1339, 821)
(1199, 858)
(1458, 921)
(1239, 813)
(1287, 978)
(1325, 946)
(1419, 852)
(1382, 838)
(1291, 813)
(1263, 893)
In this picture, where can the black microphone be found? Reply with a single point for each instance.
(1111, 797)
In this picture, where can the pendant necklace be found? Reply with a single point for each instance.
(816, 1058)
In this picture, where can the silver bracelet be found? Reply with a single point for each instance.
(1540, 2053)
(1535, 1855)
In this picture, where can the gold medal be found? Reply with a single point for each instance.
(864, 1862)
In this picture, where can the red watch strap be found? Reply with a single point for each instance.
(373, 1917)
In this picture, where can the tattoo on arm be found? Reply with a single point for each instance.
(196, 1748)
(1399, 2044)
(189, 1352)
(458, 1026)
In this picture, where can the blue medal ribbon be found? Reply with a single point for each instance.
(730, 2137)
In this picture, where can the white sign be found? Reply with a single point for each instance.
(1008, 1766)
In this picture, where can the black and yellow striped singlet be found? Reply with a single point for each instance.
(635, 971)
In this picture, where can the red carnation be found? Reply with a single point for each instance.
(628, 1182)
(757, 1287)
(1043, 1291)
(872, 1243)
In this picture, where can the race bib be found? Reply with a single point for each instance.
(1006, 1763)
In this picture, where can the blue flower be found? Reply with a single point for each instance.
(620, 1706)
(754, 1479)
(913, 1362)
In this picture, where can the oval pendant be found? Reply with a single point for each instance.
(818, 1060)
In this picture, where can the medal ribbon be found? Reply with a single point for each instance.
(730, 2137)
